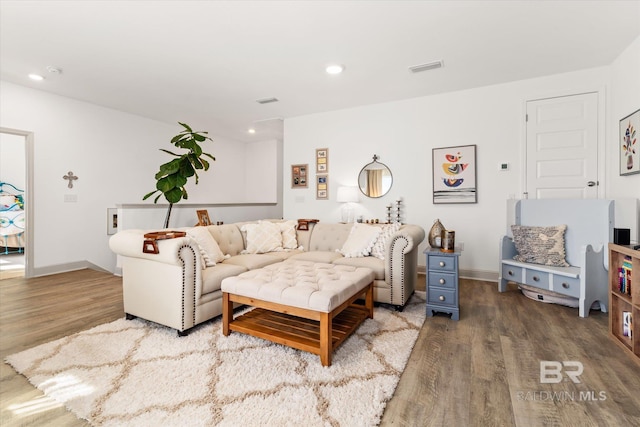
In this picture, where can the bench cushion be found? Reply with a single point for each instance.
(315, 286)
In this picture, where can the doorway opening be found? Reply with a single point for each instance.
(16, 203)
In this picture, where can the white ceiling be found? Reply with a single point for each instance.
(207, 62)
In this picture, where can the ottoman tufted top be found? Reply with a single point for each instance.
(310, 285)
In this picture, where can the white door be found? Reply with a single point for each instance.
(562, 147)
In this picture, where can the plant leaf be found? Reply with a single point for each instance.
(146, 196)
(185, 126)
(174, 195)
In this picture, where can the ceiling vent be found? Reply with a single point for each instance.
(428, 66)
(266, 100)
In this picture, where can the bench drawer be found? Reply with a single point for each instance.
(445, 280)
(536, 278)
(442, 263)
(566, 285)
(511, 273)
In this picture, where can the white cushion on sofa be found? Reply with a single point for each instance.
(360, 241)
(289, 237)
(209, 249)
(262, 237)
(387, 231)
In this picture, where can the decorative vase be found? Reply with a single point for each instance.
(435, 234)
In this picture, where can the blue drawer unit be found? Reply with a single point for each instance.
(442, 282)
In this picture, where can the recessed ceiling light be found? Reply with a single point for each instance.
(335, 69)
(36, 77)
(251, 130)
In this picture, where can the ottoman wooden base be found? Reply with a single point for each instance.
(308, 330)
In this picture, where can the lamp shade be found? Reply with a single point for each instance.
(347, 194)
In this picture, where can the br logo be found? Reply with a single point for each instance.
(551, 371)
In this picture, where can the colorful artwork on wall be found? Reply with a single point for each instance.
(454, 174)
(629, 145)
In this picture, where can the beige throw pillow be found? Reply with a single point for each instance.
(360, 241)
(386, 232)
(289, 236)
(209, 249)
(262, 237)
(540, 245)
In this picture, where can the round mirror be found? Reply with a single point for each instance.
(375, 179)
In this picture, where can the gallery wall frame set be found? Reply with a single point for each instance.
(454, 174)
(299, 176)
(322, 187)
(629, 146)
(322, 160)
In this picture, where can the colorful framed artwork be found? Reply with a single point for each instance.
(299, 176)
(322, 160)
(454, 174)
(322, 187)
(629, 146)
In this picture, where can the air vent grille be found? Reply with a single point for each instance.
(428, 66)
(266, 100)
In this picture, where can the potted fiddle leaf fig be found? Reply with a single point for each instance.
(173, 175)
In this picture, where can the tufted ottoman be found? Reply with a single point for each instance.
(305, 305)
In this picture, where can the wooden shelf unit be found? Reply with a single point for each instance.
(619, 302)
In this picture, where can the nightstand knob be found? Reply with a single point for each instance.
(536, 279)
(442, 281)
(565, 285)
(441, 298)
(441, 263)
(510, 273)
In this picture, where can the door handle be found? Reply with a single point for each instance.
(592, 183)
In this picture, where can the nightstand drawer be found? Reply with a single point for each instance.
(442, 296)
(445, 280)
(566, 285)
(537, 279)
(444, 263)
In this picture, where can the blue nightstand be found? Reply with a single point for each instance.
(442, 282)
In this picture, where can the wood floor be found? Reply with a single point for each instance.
(483, 370)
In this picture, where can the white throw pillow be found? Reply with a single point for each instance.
(289, 236)
(360, 241)
(386, 232)
(209, 249)
(262, 237)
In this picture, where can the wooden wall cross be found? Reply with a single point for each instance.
(70, 177)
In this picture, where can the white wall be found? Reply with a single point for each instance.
(404, 133)
(115, 155)
(12, 161)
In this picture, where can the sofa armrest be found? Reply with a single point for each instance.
(129, 243)
(401, 266)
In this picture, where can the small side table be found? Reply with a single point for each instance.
(442, 282)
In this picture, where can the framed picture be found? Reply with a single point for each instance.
(299, 176)
(203, 217)
(322, 187)
(454, 175)
(322, 160)
(629, 147)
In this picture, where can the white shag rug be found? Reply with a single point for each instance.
(137, 373)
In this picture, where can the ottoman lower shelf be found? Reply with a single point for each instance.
(308, 330)
(298, 332)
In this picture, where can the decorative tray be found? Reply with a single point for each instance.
(151, 247)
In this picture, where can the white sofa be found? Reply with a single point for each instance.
(172, 287)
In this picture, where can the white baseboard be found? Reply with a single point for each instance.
(64, 268)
